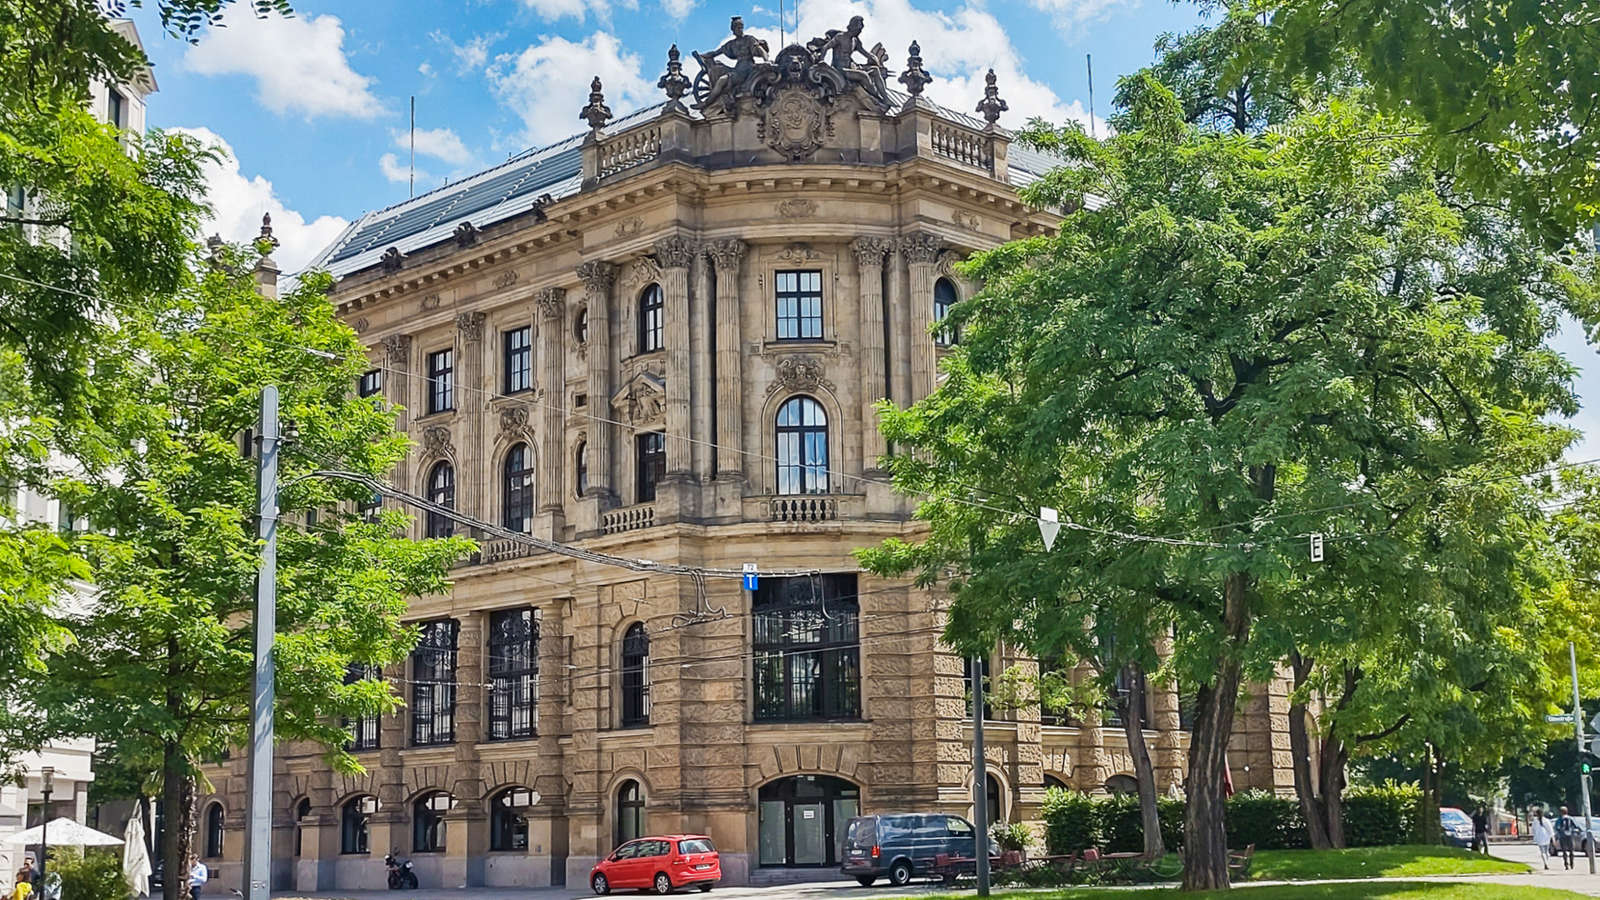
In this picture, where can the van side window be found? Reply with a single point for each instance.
(958, 827)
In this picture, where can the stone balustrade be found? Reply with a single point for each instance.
(629, 149)
(628, 518)
(961, 145)
(804, 508)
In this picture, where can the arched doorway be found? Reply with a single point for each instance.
(802, 820)
(1122, 784)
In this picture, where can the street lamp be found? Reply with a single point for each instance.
(47, 778)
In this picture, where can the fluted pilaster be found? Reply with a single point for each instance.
(675, 254)
(727, 256)
(470, 397)
(552, 303)
(921, 251)
(869, 253)
(598, 279)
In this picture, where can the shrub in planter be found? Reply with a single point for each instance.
(1071, 822)
(1012, 837)
(1266, 820)
(95, 876)
(1380, 815)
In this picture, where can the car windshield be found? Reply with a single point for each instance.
(861, 833)
(1454, 817)
(696, 845)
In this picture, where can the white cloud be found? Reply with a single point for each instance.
(398, 172)
(551, 10)
(473, 54)
(425, 70)
(298, 64)
(238, 201)
(547, 83)
(678, 9)
(1069, 15)
(440, 143)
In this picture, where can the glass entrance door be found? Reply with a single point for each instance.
(811, 844)
(803, 818)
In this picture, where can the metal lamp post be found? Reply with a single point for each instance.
(47, 778)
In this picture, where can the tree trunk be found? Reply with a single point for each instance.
(1312, 808)
(1333, 759)
(1143, 770)
(1205, 837)
(1428, 816)
(176, 796)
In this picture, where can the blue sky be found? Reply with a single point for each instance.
(314, 110)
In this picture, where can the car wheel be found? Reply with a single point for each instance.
(599, 883)
(900, 873)
(663, 883)
(865, 880)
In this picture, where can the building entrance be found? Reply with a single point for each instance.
(802, 820)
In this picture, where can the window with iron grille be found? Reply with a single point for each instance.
(807, 648)
(635, 676)
(364, 730)
(651, 465)
(799, 296)
(802, 440)
(518, 488)
(513, 674)
(441, 380)
(650, 320)
(518, 345)
(433, 684)
(441, 492)
(371, 383)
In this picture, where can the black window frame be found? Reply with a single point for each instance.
(807, 622)
(629, 810)
(508, 827)
(370, 383)
(442, 492)
(441, 380)
(652, 319)
(513, 669)
(516, 485)
(798, 473)
(945, 296)
(427, 824)
(354, 833)
(517, 360)
(635, 676)
(365, 731)
(215, 831)
(116, 108)
(650, 464)
(580, 469)
(580, 325)
(433, 684)
(797, 302)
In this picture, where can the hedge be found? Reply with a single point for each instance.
(1373, 816)
(93, 876)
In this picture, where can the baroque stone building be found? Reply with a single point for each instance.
(663, 339)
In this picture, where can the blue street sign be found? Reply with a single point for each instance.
(750, 576)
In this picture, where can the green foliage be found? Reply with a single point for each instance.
(95, 875)
(1071, 822)
(1396, 861)
(1266, 820)
(1012, 835)
(1380, 815)
(1118, 822)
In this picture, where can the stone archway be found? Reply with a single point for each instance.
(801, 820)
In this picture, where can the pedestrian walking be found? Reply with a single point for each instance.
(1480, 830)
(1566, 836)
(1543, 835)
(24, 884)
(198, 876)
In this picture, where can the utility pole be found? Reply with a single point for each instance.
(1577, 727)
(980, 780)
(258, 807)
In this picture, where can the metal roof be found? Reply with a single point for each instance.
(513, 188)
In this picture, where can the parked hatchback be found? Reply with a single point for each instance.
(903, 845)
(661, 864)
(1456, 826)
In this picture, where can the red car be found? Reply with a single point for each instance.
(661, 864)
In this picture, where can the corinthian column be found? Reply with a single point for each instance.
(470, 392)
(874, 385)
(921, 250)
(598, 278)
(675, 254)
(726, 255)
(552, 308)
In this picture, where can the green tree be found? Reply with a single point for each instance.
(162, 662)
(1255, 337)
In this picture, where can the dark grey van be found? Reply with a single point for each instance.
(902, 845)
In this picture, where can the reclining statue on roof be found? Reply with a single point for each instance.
(839, 49)
(724, 82)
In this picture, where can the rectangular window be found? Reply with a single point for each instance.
(518, 359)
(799, 305)
(363, 729)
(116, 108)
(651, 464)
(513, 674)
(807, 648)
(371, 383)
(433, 684)
(441, 381)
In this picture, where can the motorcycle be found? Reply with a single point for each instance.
(401, 877)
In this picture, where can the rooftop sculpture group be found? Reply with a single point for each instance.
(828, 66)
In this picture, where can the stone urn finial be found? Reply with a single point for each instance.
(266, 232)
(991, 106)
(597, 113)
(915, 77)
(674, 83)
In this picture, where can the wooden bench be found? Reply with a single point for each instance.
(1239, 863)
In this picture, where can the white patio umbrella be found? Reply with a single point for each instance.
(64, 833)
(135, 856)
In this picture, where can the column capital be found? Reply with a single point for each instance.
(869, 251)
(726, 254)
(397, 347)
(470, 324)
(920, 247)
(597, 275)
(550, 302)
(676, 252)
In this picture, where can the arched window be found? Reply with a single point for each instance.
(650, 330)
(580, 466)
(353, 824)
(442, 492)
(630, 811)
(427, 822)
(1051, 783)
(580, 325)
(993, 797)
(519, 489)
(635, 676)
(802, 447)
(807, 647)
(508, 826)
(944, 297)
(1122, 784)
(214, 831)
(302, 811)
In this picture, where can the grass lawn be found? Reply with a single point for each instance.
(1387, 890)
(1404, 861)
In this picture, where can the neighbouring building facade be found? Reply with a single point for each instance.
(663, 339)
